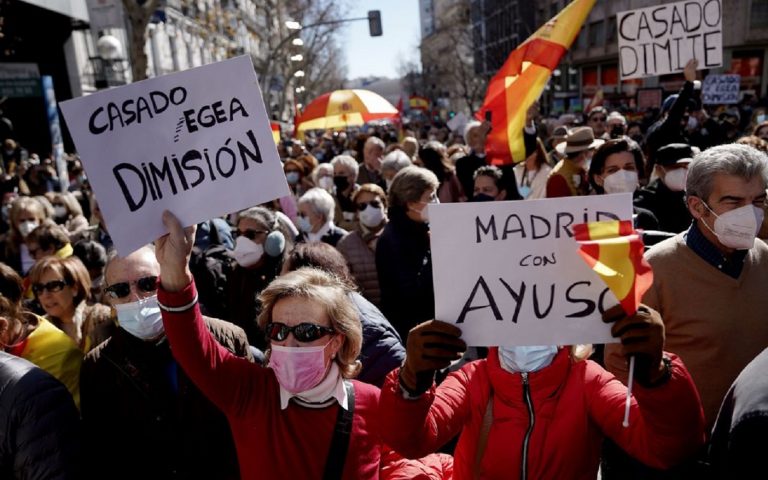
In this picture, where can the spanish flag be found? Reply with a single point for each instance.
(614, 250)
(275, 132)
(418, 103)
(520, 81)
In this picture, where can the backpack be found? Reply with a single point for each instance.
(210, 268)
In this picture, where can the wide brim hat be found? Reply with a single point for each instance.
(578, 140)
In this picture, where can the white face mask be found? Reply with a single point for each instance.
(142, 318)
(737, 228)
(621, 182)
(371, 217)
(247, 252)
(26, 227)
(675, 179)
(60, 212)
(326, 183)
(304, 224)
(526, 358)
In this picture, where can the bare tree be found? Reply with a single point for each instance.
(138, 16)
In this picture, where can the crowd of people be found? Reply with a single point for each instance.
(298, 339)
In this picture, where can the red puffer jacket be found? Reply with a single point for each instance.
(547, 424)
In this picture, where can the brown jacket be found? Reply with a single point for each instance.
(362, 262)
(143, 417)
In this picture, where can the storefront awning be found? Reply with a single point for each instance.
(71, 8)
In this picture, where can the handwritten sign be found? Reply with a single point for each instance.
(197, 143)
(509, 273)
(660, 40)
(720, 89)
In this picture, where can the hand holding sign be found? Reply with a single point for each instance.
(642, 335)
(173, 251)
(431, 346)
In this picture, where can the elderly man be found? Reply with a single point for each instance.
(474, 136)
(370, 171)
(617, 126)
(709, 282)
(316, 214)
(597, 120)
(345, 178)
(143, 417)
(569, 177)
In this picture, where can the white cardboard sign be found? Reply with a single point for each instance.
(509, 273)
(720, 89)
(197, 143)
(662, 39)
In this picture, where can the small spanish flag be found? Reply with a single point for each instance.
(522, 78)
(418, 103)
(275, 132)
(614, 250)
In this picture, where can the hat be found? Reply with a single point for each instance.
(670, 100)
(578, 140)
(674, 153)
(732, 112)
(560, 132)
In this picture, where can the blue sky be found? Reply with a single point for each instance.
(380, 56)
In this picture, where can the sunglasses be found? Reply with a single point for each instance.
(52, 287)
(373, 203)
(123, 289)
(303, 332)
(249, 233)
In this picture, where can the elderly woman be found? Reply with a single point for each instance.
(298, 417)
(393, 162)
(322, 177)
(403, 258)
(34, 338)
(359, 245)
(26, 214)
(69, 213)
(48, 239)
(316, 215)
(62, 286)
(260, 247)
(345, 171)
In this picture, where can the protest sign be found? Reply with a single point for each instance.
(660, 40)
(509, 273)
(720, 89)
(648, 98)
(197, 143)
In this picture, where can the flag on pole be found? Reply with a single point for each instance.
(275, 131)
(614, 250)
(416, 102)
(520, 81)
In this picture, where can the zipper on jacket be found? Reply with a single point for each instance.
(529, 402)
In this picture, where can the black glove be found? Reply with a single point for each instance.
(642, 335)
(431, 346)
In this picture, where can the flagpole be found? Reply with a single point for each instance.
(631, 379)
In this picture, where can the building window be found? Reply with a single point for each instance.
(596, 33)
(759, 16)
(611, 32)
(581, 42)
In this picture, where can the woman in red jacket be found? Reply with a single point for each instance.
(286, 420)
(538, 412)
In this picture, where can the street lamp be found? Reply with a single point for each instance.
(299, 73)
(291, 25)
(297, 42)
(297, 58)
(108, 66)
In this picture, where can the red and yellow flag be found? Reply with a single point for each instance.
(614, 250)
(418, 103)
(522, 78)
(275, 132)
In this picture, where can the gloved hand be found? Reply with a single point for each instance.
(431, 346)
(642, 335)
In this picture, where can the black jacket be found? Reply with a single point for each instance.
(465, 171)
(404, 264)
(143, 417)
(670, 128)
(331, 238)
(669, 207)
(382, 349)
(40, 434)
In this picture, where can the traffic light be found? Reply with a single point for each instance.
(374, 23)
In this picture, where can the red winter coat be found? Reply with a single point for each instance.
(575, 405)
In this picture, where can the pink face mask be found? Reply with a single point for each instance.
(298, 368)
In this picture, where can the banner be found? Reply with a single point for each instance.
(720, 89)
(510, 273)
(175, 143)
(661, 40)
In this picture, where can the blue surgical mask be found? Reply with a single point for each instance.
(292, 177)
(303, 224)
(526, 358)
(142, 318)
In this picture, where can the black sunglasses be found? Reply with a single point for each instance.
(123, 289)
(52, 287)
(303, 332)
(373, 203)
(249, 233)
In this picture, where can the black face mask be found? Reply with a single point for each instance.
(482, 197)
(341, 182)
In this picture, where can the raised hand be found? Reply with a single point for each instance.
(431, 346)
(690, 69)
(173, 251)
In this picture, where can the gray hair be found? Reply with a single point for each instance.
(320, 201)
(347, 162)
(468, 128)
(410, 184)
(323, 168)
(738, 160)
(375, 141)
(395, 160)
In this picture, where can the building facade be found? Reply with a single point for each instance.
(498, 27)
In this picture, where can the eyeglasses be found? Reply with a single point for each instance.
(373, 203)
(303, 332)
(123, 289)
(249, 233)
(52, 287)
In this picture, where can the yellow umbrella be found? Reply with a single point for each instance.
(344, 108)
